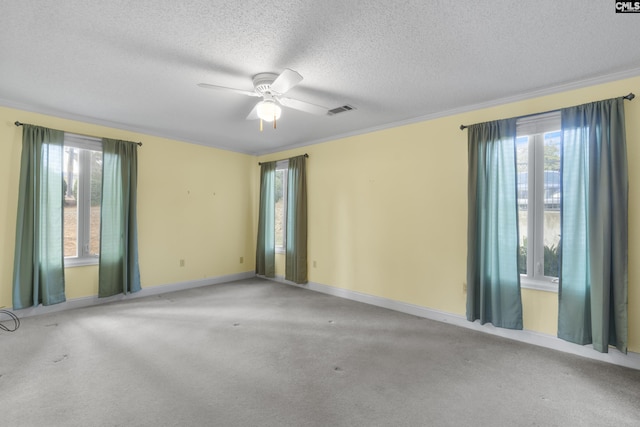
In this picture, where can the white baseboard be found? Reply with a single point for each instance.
(629, 360)
(144, 292)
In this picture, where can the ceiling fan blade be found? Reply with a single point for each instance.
(286, 81)
(228, 89)
(303, 106)
(253, 115)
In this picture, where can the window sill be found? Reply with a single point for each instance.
(280, 250)
(538, 285)
(80, 262)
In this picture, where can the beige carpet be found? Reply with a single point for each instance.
(259, 353)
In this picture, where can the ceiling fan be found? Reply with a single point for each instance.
(270, 87)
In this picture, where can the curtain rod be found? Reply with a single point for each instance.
(628, 97)
(17, 123)
(260, 163)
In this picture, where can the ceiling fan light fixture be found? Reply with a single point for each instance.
(268, 110)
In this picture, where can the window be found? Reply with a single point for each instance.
(282, 168)
(82, 174)
(539, 195)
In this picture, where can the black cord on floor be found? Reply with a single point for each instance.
(16, 321)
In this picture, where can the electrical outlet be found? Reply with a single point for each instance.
(241, 260)
(181, 263)
(315, 264)
(464, 287)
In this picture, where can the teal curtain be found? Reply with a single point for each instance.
(593, 281)
(266, 244)
(119, 270)
(296, 250)
(493, 281)
(38, 271)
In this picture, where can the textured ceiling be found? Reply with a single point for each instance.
(136, 64)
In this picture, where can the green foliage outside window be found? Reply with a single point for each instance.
(96, 178)
(279, 185)
(551, 259)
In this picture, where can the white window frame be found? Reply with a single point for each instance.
(283, 165)
(83, 142)
(536, 127)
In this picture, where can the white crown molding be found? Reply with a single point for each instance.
(106, 123)
(473, 107)
(635, 72)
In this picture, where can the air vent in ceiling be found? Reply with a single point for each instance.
(342, 109)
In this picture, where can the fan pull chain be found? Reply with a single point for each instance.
(274, 123)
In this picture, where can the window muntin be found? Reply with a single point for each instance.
(539, 197)
(282, 169)
(82, 174)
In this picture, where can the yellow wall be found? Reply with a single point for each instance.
(388, 209)
(194, 203)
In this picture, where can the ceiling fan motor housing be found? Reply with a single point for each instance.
(262, 82)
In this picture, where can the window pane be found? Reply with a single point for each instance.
(280, 206)
(70, 188)
(551, 203)
(522, 164)
(96, 199)
(83, 194)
